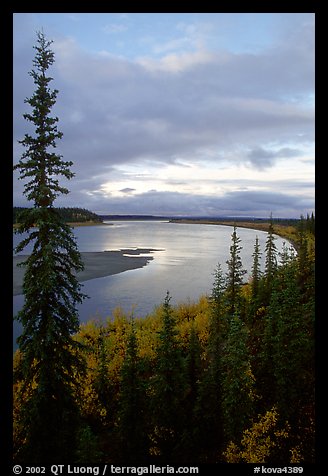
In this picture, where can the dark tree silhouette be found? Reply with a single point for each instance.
(169, 388)
(235, 274)
(49, 357)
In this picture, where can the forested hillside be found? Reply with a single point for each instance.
(69, 215)
(229, 378)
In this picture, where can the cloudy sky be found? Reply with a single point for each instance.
(178, 114)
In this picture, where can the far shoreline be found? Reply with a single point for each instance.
(287, 232)
(76, 224)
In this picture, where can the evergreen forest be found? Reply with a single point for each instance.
(228, 378)
(67, 214)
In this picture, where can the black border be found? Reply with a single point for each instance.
(7, 11)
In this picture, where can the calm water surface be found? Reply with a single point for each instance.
(184, 266)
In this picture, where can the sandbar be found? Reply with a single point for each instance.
(97, 264)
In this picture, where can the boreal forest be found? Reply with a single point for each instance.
(229, 378)
(67, 214)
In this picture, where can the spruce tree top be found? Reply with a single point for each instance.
(39, 163)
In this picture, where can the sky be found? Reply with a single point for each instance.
(186, 114)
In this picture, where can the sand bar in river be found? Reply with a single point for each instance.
(96, 264)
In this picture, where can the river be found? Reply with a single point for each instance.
(184, 266)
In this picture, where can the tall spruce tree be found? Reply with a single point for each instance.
(235, 274)
(132, 424)
(304, 261)
(256, 311)
(256, 269)
(49, 357)
(189, 442)
(292, 343)
(237, 381)
(208, 428)
(217, 294)
(270, 261)
(288, 356)
(169, 387)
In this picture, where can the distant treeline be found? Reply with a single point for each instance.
(133, 217)
(306, 224)
(68, 214)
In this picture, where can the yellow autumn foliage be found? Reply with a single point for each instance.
(113, 334)
(258, 441)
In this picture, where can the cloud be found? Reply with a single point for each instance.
(114, 28)
(263, 158)
(237, 203)
(175, 63)
(178, 106)
(127, 190)
(115, 111)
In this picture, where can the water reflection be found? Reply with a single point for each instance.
(184, 266)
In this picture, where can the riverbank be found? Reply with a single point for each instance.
(289, 232)
(96, 264)
(75, 224)
(86, 223)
